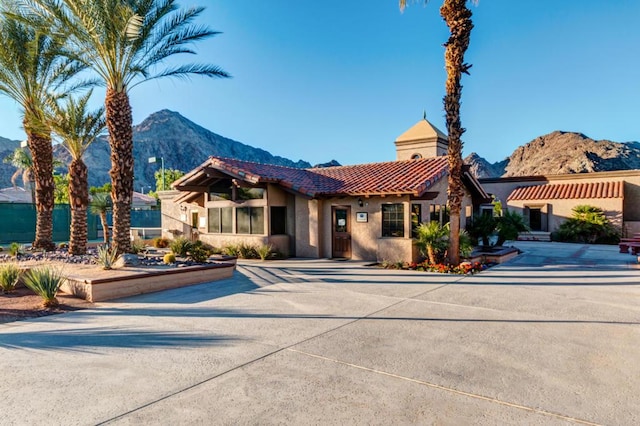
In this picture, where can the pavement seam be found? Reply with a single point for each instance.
(209, 379)
(448, 389)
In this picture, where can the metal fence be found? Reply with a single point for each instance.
(18, 222)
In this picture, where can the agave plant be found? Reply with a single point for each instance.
(107, 256)
(9, 274)
(45, 281)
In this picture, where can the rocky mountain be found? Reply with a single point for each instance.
(182, 143)
(558, 153)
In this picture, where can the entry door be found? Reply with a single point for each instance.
(341, 232)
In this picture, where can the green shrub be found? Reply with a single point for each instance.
(138, 245)
(160, 242)
(509, 225)
(169, 258)
(16, 249)
(482, 227)
(432, 240)
(247, 251)
(107, 256)
(466, 244)
(264, 251)
(199, 254)
(180, 246)
(45, 282)
(9, 274)
(588, 225)
(231, 250)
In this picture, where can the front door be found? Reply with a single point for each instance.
(341, 232)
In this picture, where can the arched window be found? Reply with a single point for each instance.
(416, 156)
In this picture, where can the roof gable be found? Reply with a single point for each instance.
(423, 129)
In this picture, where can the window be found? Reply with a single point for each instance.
(221, 220)
(220, 190)
(434, 213)
(445, 214)
(250, 193)
(250, 220)
(392, 220)
(416, 218)
(278, 220)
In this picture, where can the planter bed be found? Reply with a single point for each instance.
(98, 285)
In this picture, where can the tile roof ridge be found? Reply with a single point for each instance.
(416, 160)
(225, 159)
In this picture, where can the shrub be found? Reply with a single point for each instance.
(199, 254)
(482, 227)
(45, 282)
(247, 251)
(180, 246)
(138, 245)
(509, 225)
(107, 256)
(231, 250)
(169, 258)
(264, 251)
(160, 242)
(9, 274)
(588, 225)
(432, 240)
(466, 244)
(16, 249)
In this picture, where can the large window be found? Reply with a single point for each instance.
(278, 220)
(220, 190)
(221, 220)
(392, 220)
(250, 220)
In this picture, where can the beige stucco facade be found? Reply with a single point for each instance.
(624, 211)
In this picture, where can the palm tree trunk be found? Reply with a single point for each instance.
(42, 154)
(431, 254)
(105, 226)
(79, 200)
(458, 18)
(119, 123)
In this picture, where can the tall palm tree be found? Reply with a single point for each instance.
(22, 161)
(125, 42)
(31, 69)
(457, 16)
(77, 128)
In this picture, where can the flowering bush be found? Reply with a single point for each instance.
(462, 269)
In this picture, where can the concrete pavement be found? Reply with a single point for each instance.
(552, 337)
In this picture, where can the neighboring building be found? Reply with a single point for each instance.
(547, 201)
(363, 212)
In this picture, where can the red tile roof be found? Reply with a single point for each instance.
(394, 177)
(566, 191)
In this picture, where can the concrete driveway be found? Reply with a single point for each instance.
(552, 337)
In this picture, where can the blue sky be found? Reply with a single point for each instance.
(341, 80)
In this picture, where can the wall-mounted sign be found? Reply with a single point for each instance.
(362, 217)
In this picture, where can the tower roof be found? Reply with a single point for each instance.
(420, 131)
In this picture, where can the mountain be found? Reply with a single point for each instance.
(181, 143)
(559, 153)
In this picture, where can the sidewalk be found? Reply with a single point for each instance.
(552, 337)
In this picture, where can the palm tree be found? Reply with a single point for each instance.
(100, 204)
(77, 128)
(31, 69)
(22, 161)
(124, 42)
(458, 18)
(431, 239)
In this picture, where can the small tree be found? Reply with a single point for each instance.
(170, 176)
(100, 204)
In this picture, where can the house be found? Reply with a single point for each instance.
(361, 212)
(547, 201)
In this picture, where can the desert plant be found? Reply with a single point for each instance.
(509, 225)
(138, 245)
(160, 242)
(107, 256)
(247, 251)
(481, 227)
(16, 249)
(180, 246)
(199, 254)
(169, 258)
(432, 239)
(45, 281)
(264, 251)
(466, 244)
(231, 250)
(588, 224)
(9, 274)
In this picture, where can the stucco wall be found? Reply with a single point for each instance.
(174, 222)
(307, 234)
